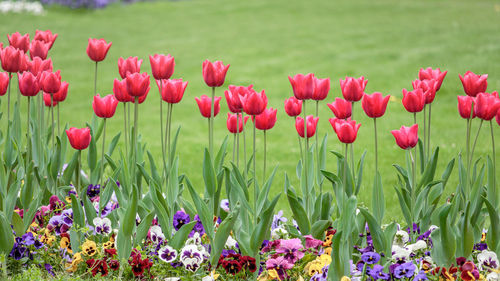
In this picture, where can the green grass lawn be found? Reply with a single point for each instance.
(387, 41)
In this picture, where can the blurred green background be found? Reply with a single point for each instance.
(387, 41)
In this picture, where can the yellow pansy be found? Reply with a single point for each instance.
(65, 244)
(89, 248)
(326, 259)
(345, 278)
(108, 245)
(328, 251)
(273, 275)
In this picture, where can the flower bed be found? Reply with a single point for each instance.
(125, 215)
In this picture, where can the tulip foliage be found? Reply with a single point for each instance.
(123, 187)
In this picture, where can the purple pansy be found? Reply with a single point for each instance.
(180, 219)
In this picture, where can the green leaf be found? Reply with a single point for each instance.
(17, 223)
(430, 170)
(299, 213)
(318, 228)
(493, 236)
(78, 213)
(379, 242)
(89, 210)
(92, 152)
(263, 226)
(209, 174)
(206, 216)
(222, 234)
(6, 237)
(68, 172)
(378, 200)
(127, 224)
(113, 143)
(142, 229)
(181, 235)
(360, 172)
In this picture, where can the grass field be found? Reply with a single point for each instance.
(386, 41)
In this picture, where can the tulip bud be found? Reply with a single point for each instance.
(18, 41)
(79, 138)
(473, 83)
(12, 59)
(414, 101)
(231, 122)
(105, 107)
(346, 130)
(321, 89)
(429, 88)
(39, 49)
(46, 36)
(254, 103)
(121, 92)
(137, 84)
(50, 82)
(312, 123)
(375, 104)
(162, 66)
(47, 98)
(465, 106)
(37, 66)
(4, 83)
(266, 120)
(234, 95)
(60, 96)
(429, 73)
(353, 89)
(97, 49)
(28, 84)
(303, 86)
(293, 107)
(486, 105)
(129, 66)
(172, 90)
(341, 108)
(205, 105)
(214, 73)
(406, 137)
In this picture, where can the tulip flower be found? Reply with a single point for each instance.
(12, 59)
(39, 49)
(48, 101)
(50, 82)
(321, 89)
(303, 86)
(97, 49)
(341, 108)
(214, 73)
(465, 106)
(172, 90)
(4, 83)
(46, 36)
(429, 88)
(254, 103)
(138, 84)
(486, 105)
(232, 123)
(375, 104)
(120, 91)
(435, 74)
(37, 66)
(234, 96)
(128, 66)
(61, 94)
(266, 120)
(498, 117)
(204, 104)
(18, 41)
(413, 101)
(79, 140)
(162, 66)
(28, 84)
(312, 123)
(352, 88)
(474, 83)
(347, 130)
(406, 137)
(293, 106)
(104, 107)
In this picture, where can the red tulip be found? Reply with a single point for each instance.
(46, 36)
(303, 86)
(172, 90)
(465, 106)
(254, 103)
(79, 138)
(162, 66)
(121, 92)
(39, 49)
(429, 88)
(486, 105)
(60, 96)
(234, 95)
(406, 137)
(266, 120)
(4, 83)
(353, 89)
(37, 66)
(50, 82)
(28, 84)
(105, 107)
(375, 104)
(341, 108)
(429, 73)
(97, 49)
(205, 105)
(18, 41)
(321, 88)
(414, 101)
(312, 123)
(293, 106)
(498, 117)
(473, 83)
(138, 84)
(347, 130)
(214, 73)
(47, 99)
(12, 59)
(231, 122)
(129, 66)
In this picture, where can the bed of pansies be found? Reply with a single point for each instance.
(120, 214)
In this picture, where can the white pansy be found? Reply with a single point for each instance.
(102, 226)
(191, 257)
(230, 242)
(419, 245)
(278, 233)
(195, 240)
(432, 228)
(493, 277)
(156, 234)
(401, 238)
(167, 254)
(400, 253)
(487, 260)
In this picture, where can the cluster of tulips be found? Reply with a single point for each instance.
(240, 227)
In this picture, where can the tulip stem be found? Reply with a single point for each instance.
(78, 167)
(28, 130)
(237, 139)
(376, 145)
(254, 172)
(353, 172)
(494, 156)
(161, 134)
(18, 93)
(101, 175)
(429, 131)
(136, 116)
(244, 156)
(95, 79)
(345, 169)
(52, 115)
(170, 110)
(128, 123)
(467, 143)
(415, 122)
(125, 127)
(300, 143)
(40, 113)
(475, 141)
(234, 146)
(8, 99)
(265, 148)
(211, 135)
(317, 152)
(425, 134)
(306, 153)
(58, 123)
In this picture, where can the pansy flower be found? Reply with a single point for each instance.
(292, 249)
(180, 219)
(280, 265)
(406, 269)
(102, 226)
(167, 254)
